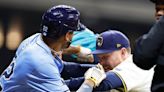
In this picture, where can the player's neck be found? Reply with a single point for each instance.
(55, 45)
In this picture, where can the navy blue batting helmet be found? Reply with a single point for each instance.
(59, 20)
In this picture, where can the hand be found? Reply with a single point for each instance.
(84, 50)
(95, 74)
(85, 55)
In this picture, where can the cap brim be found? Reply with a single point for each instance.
(102, 51)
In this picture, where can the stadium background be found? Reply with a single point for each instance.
(21, 18)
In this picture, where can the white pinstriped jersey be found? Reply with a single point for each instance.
(135, 78)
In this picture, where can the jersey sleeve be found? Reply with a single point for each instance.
(85, 38)
(47, 78)
(112, 81)
(148, 48)
(78, 70)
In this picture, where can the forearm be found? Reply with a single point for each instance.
(74, 70)
(71, 50)
(112, 81)
(74, 83)
(87, 86)
(93, 77)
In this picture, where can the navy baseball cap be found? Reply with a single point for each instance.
(110, 41)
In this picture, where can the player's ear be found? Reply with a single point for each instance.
(68, 36)
(123, 52)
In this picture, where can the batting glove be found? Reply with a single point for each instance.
(95, 74)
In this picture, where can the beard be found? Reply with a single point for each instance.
(67, 44)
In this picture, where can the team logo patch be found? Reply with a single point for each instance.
(99, 41)
(118, 45)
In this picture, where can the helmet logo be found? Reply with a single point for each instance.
(99, 41)
(58, 14)
(118, 45)
(45, 28)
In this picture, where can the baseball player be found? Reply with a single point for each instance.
(83, 42)
(114, 52)
(36, 66)
(148, 51)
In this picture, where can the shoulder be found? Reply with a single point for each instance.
(34, 55)
(40, 61)
(129, 68)
(132, 75)
(25, 43)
